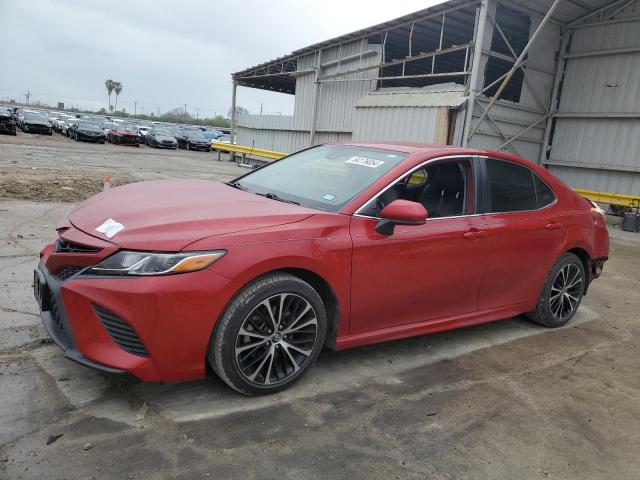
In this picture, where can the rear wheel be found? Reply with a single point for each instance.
(561, 293)
(269, 336)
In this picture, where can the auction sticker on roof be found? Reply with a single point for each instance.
(365, 162)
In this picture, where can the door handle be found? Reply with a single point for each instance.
(553, 226)
(473, 234)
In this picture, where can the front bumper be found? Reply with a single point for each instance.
(31, 128)
(90, 138)
(173, 317)
(46, 289)
(205, 147)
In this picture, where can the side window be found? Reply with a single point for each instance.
(442, 187)
(544, 194)
(511, 187)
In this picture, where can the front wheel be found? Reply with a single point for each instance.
(561, 293)
(269, 336)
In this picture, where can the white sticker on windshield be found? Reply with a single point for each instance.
(328, 197)
(365, 162)
(110, 227)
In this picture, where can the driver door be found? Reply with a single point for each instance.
(419, 273)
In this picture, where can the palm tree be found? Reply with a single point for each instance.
(117, 88)
(109, 84)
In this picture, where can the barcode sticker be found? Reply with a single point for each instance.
(365, 162)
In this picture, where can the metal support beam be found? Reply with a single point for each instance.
(599, 53)
(515, 55)
(553, 102)
(516, 65)
(596, 11)
(475, 82)
(233, 112)
(421, 56)
(525, 130)
(316, 100)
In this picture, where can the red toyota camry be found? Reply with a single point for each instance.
(336, 246)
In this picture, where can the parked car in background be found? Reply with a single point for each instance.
(211, 135)
(159, 137)
(196, 141)
(107, 127)
(123, 135)
(336, 246)
(69, 125)
(36, 123)
(85, 131)
(142, 132)
(7, 123)
(219, 142)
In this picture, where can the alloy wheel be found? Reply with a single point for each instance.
(276, 339)
(566, 291)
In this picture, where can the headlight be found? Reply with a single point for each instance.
(140, 263)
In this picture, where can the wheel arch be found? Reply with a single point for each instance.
(584, 257)
(317, 282)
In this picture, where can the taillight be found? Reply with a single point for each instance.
(595, 208)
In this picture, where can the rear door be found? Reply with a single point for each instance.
(526, 233)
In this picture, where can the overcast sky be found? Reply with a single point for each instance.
(166, 53)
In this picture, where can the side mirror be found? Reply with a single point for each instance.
(400, 212)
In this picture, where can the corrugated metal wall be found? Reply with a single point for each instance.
(596, 142)
(398, 124)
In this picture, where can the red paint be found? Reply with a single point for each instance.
(446, 273)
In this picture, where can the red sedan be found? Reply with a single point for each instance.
(336, 246)
(123, 135)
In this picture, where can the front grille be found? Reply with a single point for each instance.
(63, 246)
(121, 332)
(68, 272)
(55, 312)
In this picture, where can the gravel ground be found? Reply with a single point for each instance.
(502, 401)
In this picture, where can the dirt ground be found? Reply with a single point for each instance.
(507, 400)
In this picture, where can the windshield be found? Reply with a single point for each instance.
(196, 135)
(88, 126)
(35, 116)
(124, 129)
(325, 177)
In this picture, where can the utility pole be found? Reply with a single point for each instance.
(135, 108)
(158, 110)
(185, 109)
(27, 96)
(197, 113)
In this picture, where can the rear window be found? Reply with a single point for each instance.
(515, 188)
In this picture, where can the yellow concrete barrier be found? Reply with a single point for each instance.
(610, 198)
(250, 151)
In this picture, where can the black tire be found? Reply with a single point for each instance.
(285, 365)
(561, 293)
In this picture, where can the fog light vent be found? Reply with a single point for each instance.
(121, 332)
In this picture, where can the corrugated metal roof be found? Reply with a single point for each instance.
(566, 12)
(444, 95)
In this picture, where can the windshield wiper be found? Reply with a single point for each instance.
(236, 184)
(273, 196)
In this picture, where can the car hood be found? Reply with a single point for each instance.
(168, 215)
(34, 121)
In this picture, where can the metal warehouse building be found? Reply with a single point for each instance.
(557, 82)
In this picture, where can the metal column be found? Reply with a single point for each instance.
(316, 99)
(475, 83)
(233, 113)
